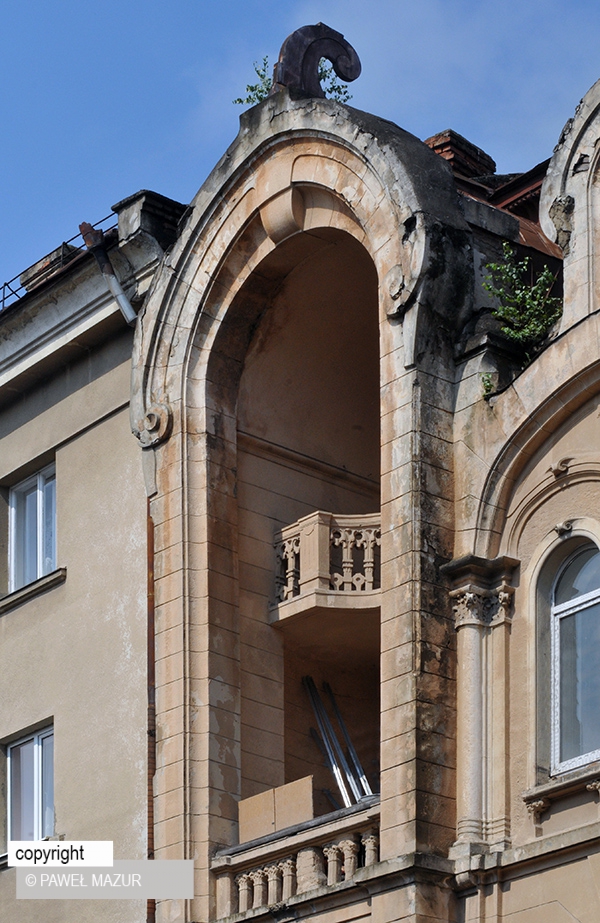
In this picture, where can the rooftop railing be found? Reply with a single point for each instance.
(28, 279)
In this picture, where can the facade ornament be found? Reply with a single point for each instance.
(156, 425)
(482, 607)
(298, 64)
(536, 808)
(564, 528)
(561, 467)
(593, 786)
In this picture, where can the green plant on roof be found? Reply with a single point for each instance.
(526, 309)
(256, 92)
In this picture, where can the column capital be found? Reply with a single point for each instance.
(480, 589)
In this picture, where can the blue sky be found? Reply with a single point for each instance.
(100, 100)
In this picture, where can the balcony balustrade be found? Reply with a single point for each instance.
(328, 560)
(284, 868)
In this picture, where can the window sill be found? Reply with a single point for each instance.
(540, 797)
(36, 588)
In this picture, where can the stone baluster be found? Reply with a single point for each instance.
(288, 870)
(368, 539)
(350, 850)
(244, 883)
(259, 882)
(370, 841)
(273, 884)
(344, 538)
(333, 855)
(288, 555)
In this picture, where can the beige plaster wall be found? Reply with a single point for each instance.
(546, 892)
(542, 500)
(75, 656)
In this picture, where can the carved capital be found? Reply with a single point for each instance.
(476, 606)
(471, 609)
(156, 425)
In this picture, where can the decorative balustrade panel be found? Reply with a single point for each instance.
(276, 881)
(327, 553)
(359, 565)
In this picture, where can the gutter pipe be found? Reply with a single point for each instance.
(94, 241)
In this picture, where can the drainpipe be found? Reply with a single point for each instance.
(94, 241)
(151, 667)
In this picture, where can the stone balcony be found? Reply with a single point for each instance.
(299, 863)
(327, 561)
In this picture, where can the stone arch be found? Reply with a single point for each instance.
(301, 176)
(540, 412)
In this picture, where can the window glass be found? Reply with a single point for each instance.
(581, 576)
(31, 788)
(47, 785)
(576, 662)
(22, 785)
(33, 528)
(49, 531)
(579, 682)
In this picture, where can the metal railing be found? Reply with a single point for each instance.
(29, 278)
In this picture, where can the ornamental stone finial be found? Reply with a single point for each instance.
(298, 65)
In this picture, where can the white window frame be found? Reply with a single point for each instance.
(37, 482)
(557, 613)
(38, 781)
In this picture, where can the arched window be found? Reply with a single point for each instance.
(575, 649)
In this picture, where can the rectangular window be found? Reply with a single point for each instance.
(32, 530)
(31, 787)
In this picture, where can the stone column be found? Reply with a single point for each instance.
(482, 600)
(470, 609)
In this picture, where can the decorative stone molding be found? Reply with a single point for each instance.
(564, 528)
(331, 554)
(593, 786)
(284, 215)
(476, 606)
(156, 426)
(561, 467)
(536, 808)
(266, 875)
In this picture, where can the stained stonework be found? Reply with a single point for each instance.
(323, 575)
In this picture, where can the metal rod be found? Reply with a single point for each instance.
(353, 754)
(310, 688)
(323, 719)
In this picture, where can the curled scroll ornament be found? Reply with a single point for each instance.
(298, 64)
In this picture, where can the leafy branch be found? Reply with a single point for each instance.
(256, 92)
(526, 308)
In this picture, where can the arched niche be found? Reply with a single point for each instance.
(294, 376)
(366, 218)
